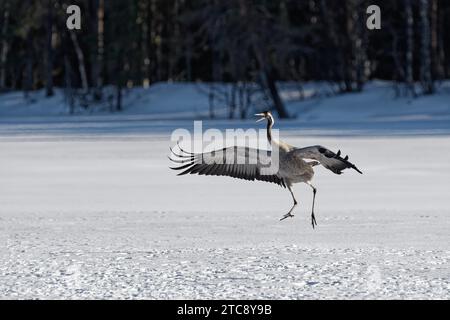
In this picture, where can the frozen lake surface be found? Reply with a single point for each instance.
(96, 213)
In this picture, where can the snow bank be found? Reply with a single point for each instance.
(315, 102)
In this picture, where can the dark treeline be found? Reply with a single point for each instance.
(241, 42)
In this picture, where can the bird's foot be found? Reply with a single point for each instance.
(313, 220)
(287, 215)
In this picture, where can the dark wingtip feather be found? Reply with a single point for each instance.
(354, 167)
(188, 170)
(180, 155)
(190, 153)
(181, 167)
(348, 163)
(179, 161)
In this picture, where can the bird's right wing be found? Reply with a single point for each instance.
(327, 158)
(237, 162)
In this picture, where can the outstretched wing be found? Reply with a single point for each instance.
(329, 159)
(237, 162)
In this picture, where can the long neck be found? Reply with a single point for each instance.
(270, 122)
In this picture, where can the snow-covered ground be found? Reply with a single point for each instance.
(169, 101)
(89, 209)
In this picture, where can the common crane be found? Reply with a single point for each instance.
(295, 165)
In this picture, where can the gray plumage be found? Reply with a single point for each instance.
(237, 162)
(295, 165)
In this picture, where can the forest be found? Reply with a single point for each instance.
(250, 45)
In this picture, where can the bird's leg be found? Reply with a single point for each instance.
(313, 218)
(289, 215)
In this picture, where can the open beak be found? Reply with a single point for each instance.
(260, 115)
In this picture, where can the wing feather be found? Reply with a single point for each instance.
(237, 162)
(327, 158)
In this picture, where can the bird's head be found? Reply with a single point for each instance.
(264, 115)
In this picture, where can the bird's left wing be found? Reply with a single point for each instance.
(237, 162)
(329, 159)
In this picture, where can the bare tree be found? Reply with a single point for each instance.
(28, 81)
(145, 12)
(425, 48)
(69, 95)
(97, 24)
(409, 77)
(81, 63)
(436, 43)
(49, 50)
(5, 44)
(248, 45)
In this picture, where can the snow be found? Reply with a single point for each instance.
(161, 100)
(89, 209)
(169, 101)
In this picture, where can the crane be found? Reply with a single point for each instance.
(294, 165)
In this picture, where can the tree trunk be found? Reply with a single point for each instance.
(68, 81)
(119, 96)
(211, 101)
(409, 77)
(5, 46)
(100, 46)
(399, 73)
(97, 24)
(145, 8)
(188, 57)
(268, 80)
(154, 43)
(28, 81)
(437, 63)
(232, 103)
(49, 49)
(360, 52)
(174, 39)
(335, 68)
(81, 64)
(441, 18)
(276, 99)
(425, 52)
(268, 83)
(350, 74)
(93, 46)
(119, 79)
(158, 40)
